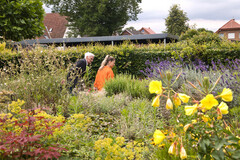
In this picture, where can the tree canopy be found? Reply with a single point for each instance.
(96, 18)
(21, 19)
(200, 36)
(176, 22)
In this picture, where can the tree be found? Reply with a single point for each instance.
(94, 17)
(21, 19)
(176, 21)
(200, 36)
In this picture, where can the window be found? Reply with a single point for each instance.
(231, 35)
(221, 35)
(46, 37)
(142, 30)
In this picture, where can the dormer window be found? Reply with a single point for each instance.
(142, 31)
(46, 37)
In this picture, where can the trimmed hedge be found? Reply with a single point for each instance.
(131, 58)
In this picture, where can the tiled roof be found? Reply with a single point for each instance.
(147, 30)
(232, 24)
(56, 25)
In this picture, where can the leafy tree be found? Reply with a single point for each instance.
(21, 19)
(176, 21)
(94, 17)
(200, 36)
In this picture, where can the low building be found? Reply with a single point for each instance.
(104, 40)
(230, 30)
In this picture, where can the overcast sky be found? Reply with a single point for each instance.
(209, 14)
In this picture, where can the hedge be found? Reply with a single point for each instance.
(131, 58)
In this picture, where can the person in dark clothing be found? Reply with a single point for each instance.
(77, 72)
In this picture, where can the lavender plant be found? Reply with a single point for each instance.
(195, 70)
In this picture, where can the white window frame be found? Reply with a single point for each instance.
(221, 35)
(231, 35)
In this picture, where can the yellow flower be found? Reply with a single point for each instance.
(194, 121)
(226, 95)
(176, 101)
(186, 127)
(183, 153)
(172, 148)
(169, 104)
(158, 137)
(223, 108)
(189, 110)
(208, 102)
(184, 98)
(156, 101)
(155, 87)
(206, 118)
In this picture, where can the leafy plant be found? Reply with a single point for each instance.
(24, 134)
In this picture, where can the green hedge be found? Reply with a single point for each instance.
(131, 58)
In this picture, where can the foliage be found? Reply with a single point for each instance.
(131, 58)
(96, 18)
(124, 83)
(21, 19)
(117, 148)
(36, 78)
(176, 21)
(202, 125)
(200, 36)
(24, 133)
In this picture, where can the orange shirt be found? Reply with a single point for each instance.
(102, 75)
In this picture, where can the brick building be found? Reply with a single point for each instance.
(230, 30)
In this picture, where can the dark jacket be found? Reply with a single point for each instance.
(78, 70)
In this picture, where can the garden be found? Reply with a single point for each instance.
(174, 101)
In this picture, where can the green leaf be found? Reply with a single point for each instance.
(218, 155)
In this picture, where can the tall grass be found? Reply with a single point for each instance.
(128, 84)
(38, 78)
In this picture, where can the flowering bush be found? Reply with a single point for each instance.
(25, 133)
(118, 149)
(202, 126)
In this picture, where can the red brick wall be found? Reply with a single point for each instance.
(236, 32)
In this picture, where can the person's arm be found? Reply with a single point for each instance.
(81, 67)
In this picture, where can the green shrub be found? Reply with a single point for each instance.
(128, 84)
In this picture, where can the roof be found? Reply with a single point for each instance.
(232, 24)
(141, 38)
(148, 30)
(131, 32)
(55, 24)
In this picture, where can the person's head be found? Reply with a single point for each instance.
(108, 61)
(111, 61)
(89, 57)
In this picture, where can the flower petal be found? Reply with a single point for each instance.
(155, 87)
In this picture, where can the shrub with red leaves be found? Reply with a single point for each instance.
(30, 143)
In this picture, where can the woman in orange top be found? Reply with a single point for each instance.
(104, 72)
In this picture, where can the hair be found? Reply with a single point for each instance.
(88, 54)
(106, 60)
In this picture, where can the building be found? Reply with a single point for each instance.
(230, 30)
(104, 40)
(55, 26)
(143, 30)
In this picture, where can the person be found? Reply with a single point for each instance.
(104, 72)
(78, 70)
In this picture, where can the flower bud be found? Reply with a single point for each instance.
(206, 82)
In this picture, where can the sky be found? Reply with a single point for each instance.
(209, 14)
